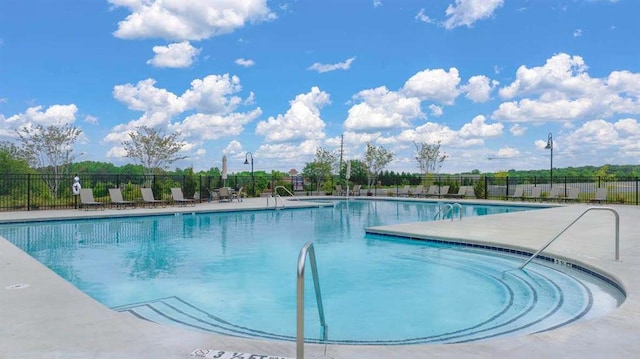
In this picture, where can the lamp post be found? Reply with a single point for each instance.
(549, 146)
(253, 182)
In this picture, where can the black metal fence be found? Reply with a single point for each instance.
(20, 192)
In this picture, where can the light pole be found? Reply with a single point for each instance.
(549, 146)
(253, 182)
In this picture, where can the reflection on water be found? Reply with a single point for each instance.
(160, 246)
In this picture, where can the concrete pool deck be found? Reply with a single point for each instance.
(53, 319)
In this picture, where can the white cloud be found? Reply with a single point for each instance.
(436, 110)
(577, 33)
(479, 88)
(209, 109)
(177, 55)
(213, 94)
(518, 130)
(302, 120)
(233, 148)
(467, 12)
(434, 85)
(508, 152)
(382, 109)
(321, 68)
(377, 3)
(188, 20)
(562, 90)
(245, 62)
(422, 16)
(53, 115)
(561, 73)
(91, 119)
(116, 152)
(479, 128)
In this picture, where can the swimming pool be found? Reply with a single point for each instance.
(233, 273)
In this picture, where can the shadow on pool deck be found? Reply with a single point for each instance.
(51, 318)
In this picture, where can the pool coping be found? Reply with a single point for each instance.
(52, 317)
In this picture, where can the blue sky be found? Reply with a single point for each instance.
(488, 79)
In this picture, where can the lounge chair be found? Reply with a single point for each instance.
(87, 201)
(149, 198)
(416, 192)
(443, 191)
(356, 190)
(517, 194)
(339, 190)
(462, 192)
(116, 198)
(224, 194)
(432, 191)
(572, 195)
(601, 195)
(404, 191)
(556, 193)
(178, 197)
(535, 193)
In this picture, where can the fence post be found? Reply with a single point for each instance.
(486, 187)
(506, 194)
(636, 191)
(28, 191)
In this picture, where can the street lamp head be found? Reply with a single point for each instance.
(549, 145)
(246, 161)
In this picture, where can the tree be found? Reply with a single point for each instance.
(429, 157)
(153, 149)
(50, 151)
(375, 160)
(10, 163)
(321, 167)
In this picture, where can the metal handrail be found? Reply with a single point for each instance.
(286, 190)
(302, 259)
(275, 201)
(449, 208)
(571, 224)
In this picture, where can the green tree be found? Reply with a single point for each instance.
(376, 158)
(321, 167)
(152, 149)
(50, 151)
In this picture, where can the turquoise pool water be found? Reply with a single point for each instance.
(234, 273)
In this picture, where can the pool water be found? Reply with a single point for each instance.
(235, 273)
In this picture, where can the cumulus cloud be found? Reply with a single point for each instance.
(467, 12)
(208, 110)
(434, 85)
(380, 109)
(478, 88)
(245, 62)
(302, 120)
(479, 128)
(188, 20)
(233, 148)
(177, 55)
(320, 68)
(562, 90)
(33, 116)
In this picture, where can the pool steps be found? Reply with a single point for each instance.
(533, 303)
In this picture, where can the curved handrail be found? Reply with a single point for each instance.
(302, 259)
(571, 224)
